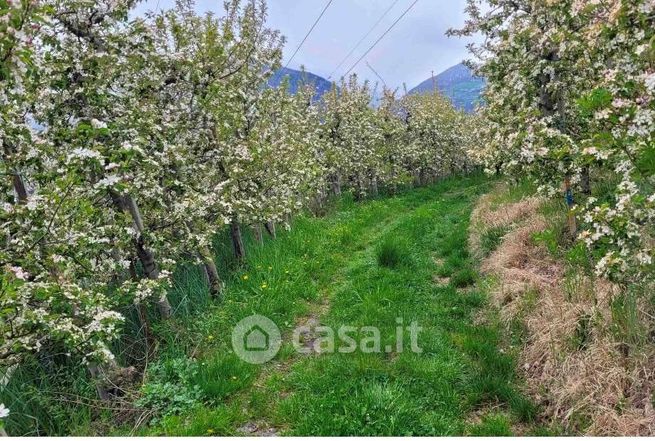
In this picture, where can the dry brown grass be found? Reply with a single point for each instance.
(598, 388)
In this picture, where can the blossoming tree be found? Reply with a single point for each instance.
(570, 98)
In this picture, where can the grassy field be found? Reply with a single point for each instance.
(366, 264)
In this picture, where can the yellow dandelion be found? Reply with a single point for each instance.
(264, 286)
(245, 277)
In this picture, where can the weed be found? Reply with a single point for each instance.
(550, 239)
(170, 389)
(491, 239)
(627, 326)
(582, 335)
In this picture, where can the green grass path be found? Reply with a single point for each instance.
(367, 264)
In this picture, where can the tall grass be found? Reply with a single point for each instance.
(393, 252)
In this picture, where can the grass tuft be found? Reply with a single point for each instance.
(492, 425)
(463, 278)
(392, 253)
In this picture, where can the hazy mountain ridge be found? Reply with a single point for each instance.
(298, 78)
(459, 84)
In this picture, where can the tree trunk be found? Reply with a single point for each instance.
(3, 432)
(237, 241)
(319, 202)
(374, 186)
(257, 232)
(585, 181)
(336, 185)
(17, 180)
(142, 313)
(6, 376)
(164, 307)
(20, 188)
(417, 178)
(151, 271)
(100, 379)
(360, 192)
(551, 104)
(453, 168)
(568, 195)
(215, 283)
(270, 228)
(147, 258)
(119, 276)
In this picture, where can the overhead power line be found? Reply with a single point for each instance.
(308, 33)
(376, 74)
(359, 43)
(381, 37)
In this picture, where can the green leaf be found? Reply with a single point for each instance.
(650, 53)
(646, 161)
(597, 99)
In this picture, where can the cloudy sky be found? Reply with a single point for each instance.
(408, 54)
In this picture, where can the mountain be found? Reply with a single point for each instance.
(457, 83)
(298, 78)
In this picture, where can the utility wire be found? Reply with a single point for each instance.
(359, 43)
(381, 37)
(308, 33)
(376, 74)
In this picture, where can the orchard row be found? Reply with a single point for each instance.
(129, 143)
(570, 102)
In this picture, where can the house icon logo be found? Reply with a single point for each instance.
(256, 339)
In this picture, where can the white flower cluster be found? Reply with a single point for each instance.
(4, 412)
(571, 98)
